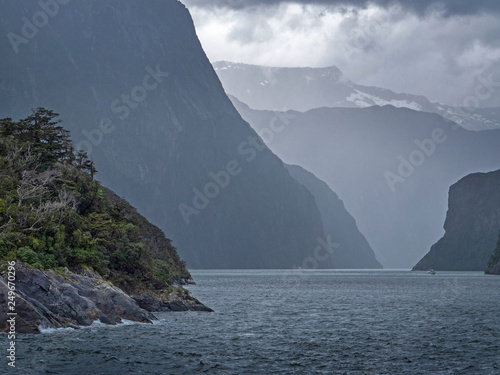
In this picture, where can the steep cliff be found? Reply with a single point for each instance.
(132, 83)
(493, 266)
(350, 247)
(471, 226)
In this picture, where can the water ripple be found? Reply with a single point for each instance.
(278, 322)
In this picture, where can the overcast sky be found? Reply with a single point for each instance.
(429, 47)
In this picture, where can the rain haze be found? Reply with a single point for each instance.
(249, 187)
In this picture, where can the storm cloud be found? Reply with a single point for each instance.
(421, 7)
(426, 47)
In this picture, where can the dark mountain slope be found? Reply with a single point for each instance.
(134, 86)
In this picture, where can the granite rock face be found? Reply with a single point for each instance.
(173, 301)
(50, 300)
(60, 300)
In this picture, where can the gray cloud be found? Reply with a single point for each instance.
(420, 7)
(388, 47)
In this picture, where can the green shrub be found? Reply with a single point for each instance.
(48, 261)
(94, 228)
(26, 254)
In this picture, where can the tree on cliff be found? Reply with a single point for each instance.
(44, 134)
(54, 214)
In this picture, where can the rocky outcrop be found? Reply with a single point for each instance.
(46, 299)
(471, 226)
(175, 300)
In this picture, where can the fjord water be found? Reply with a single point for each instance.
(296, 322)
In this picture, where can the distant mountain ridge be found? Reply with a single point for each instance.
(302, 89)
(472, 225)
(392, 167)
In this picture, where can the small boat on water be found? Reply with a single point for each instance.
(431, 272)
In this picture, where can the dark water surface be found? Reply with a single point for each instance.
(294, 322)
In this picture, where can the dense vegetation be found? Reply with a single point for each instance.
(54, 214)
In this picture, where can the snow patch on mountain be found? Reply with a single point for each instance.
(302, 89)
(363, 100)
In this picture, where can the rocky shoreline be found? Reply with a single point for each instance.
(48, 299)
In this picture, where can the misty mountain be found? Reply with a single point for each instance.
(135, 88)
(392, 167)
(350, 248)
(472, 225)
(302, 89)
